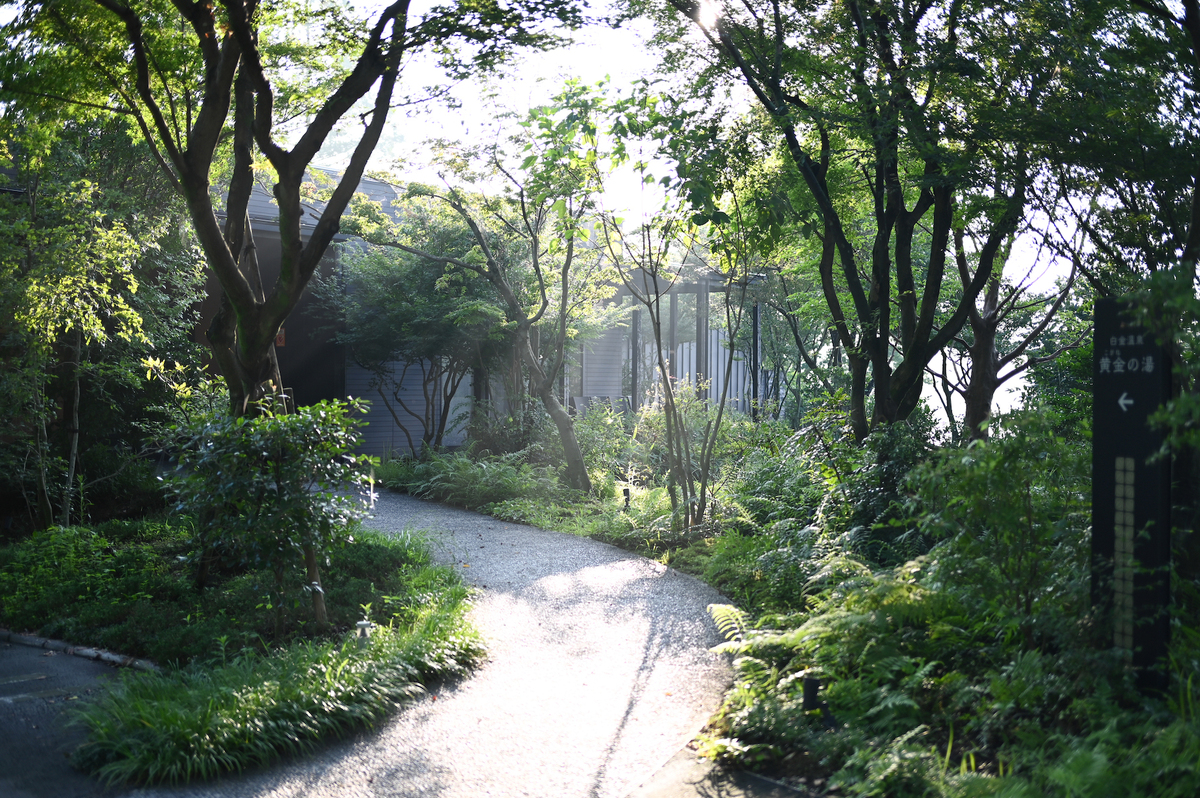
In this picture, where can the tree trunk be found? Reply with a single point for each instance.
(859, 425)
(250, 372)
(396, 418)
(45, 511)
(45, 508)
(985, 362)
(68, 498)
(451, 382)
(885, 409)
(314, 587)
(577, 475)
(981, 390)
(712, 431)
(278, 603)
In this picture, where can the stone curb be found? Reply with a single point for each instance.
(686, 775)
(94, 654)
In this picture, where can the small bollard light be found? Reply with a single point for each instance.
(364, 633)
(813, 702)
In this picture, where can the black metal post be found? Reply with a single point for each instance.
(755, 366)
(635, 326)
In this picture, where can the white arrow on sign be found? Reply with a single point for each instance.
(1124, 402)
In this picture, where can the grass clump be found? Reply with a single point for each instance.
(456, 478)
(252, 708)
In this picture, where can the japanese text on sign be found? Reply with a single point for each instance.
(1113, 362)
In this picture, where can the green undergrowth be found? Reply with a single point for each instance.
(232, 697)
(975, 668)
(506, 488)
(128, 586)
(455, 478)
(250, 708)
(923, 699)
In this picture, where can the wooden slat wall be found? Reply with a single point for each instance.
(603, 361)
(739, 384)
(685, 359)
(382, 435)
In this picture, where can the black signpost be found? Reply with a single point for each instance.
(1131, 493)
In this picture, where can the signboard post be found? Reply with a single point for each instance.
(1131, 493)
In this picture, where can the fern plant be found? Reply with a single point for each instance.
(730, 621)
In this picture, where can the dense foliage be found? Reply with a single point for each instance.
(127, 586)
(411, 322)
(271, 489)
(913, 614)
(95, 277)
(238, 694)
(977, 651)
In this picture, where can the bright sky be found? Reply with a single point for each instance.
(598, 53)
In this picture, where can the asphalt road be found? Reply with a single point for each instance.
(35, 687)
(599, 670)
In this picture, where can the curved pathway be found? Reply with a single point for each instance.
(598, 672)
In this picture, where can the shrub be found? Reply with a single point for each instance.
(525, 431)
(270, 488)
(607, 444)
(1012, 515)
(779, 485)
(819, 476)
(394, 472)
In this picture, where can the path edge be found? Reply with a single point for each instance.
(86, 652)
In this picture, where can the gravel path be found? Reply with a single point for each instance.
(598, 672)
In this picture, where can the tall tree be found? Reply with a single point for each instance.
(202, 79)
(889, 112)
(1180, 27)
(1006, 336)
(529, 239)
(1127, 158)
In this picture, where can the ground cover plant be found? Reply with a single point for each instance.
(972, 669)
(127, 586)
(235, 694)
(250, 708)
(474, 483)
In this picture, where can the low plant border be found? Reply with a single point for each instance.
(251, 709)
